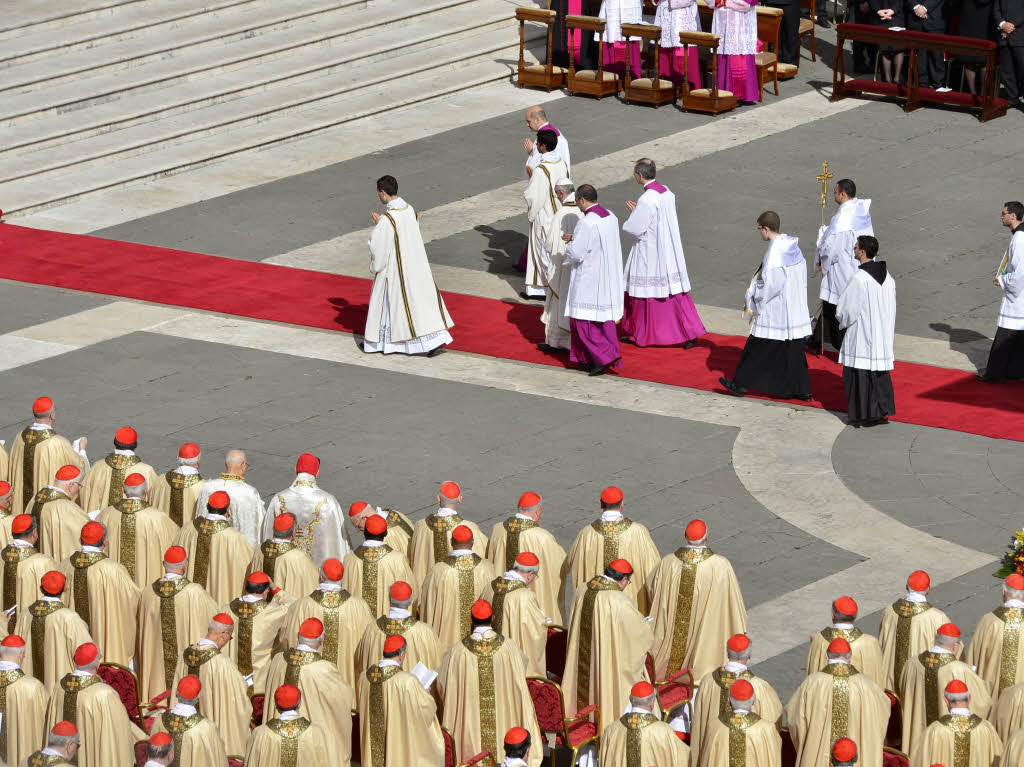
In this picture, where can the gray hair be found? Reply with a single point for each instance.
(135, 491)
(565, 186)
(645, 168)
(61, 741)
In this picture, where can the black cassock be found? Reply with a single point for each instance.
(560, 41)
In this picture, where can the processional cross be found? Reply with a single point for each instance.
(823, 177)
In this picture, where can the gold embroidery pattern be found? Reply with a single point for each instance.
(167, 591)
(442, 527)
(611, 532)
(595, 585)
(194, 658)
(401, 282)
(246, 613)
(39, 759)
(635, 723)
(289, 733)
(905, 613)
(82, 561)
(119, 465)
(72, 685)
(377, 676)
(840, 673)
(7, 678)
(40, 611)
(294, 661)
(514, 526)
(484, 650)
(690, 559)
(465, 565)
(231, 477)
(738, 725)
(42, 498)
(31, 437)
(371, 557)
(271, 550)
(392, 626)
(129, 507)
(850, 635)
(176, 727)
(304, 538)
(13, 556)
(206, 528)
(330, 602)
(502, 588)
(961, 727)
(724, 680)
(395, 520)
(178, 483)
(932, 662)
(1011, 618)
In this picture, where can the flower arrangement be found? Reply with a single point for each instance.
(1013, 560)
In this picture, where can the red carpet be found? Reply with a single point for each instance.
(925, 395)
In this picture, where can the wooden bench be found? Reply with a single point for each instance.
(594, 82)
(651, 89)
(545, 75)
(807, 25)
(711, 100)
(912, 93)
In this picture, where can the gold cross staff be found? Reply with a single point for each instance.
(823, 178)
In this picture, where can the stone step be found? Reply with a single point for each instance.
(34, 14)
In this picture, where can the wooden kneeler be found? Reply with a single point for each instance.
(651, 89)
(712, 99)
(545, 75)
(594, 82)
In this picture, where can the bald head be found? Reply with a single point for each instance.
(535, 118)
(235, 462)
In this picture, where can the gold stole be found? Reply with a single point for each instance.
(82, 561)
(441, 528)
(129, 507)
(7, 678)
(635, 724)
(194, 658)
(330, 602)
(178, 483)
(43, 497)
(371, 557)
(502, 588)
(395, 520)
(611, 532)
(119, 465)
(377, 676)
(905, 613)
(39, 759)
(514, 527)
(484, 650)
(391, 626)
(206, 528)
(31, 437)
(294, 660)
(303, 535)
(40, 611)
(932, 662)
(1011, 618)
(167, 590)
(465, 565)
(72, 685)
(961, 727)
(12, 557)
(738, 724)
(840, 673)
(595, 585)
(271, 550)
(176, 726)
(289, 733)
(690, 559)
(246, 613)
(724, 680)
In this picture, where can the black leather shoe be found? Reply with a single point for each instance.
(803, 397)
(690, 344)
(731, 387)
(824, 23)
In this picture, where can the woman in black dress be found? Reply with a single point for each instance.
(889, 13)
(975, 21)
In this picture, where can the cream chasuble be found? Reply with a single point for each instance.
(289, 743)
(344, 618)
(696, 606)
(599, 543)
(6, 521)
(398, 724)
(197, 743)
(245, 505)
(319, 522)
(217, 557)
(287, 565)
(22, 568)
(557, 331)
(905, 631)
(1008, 712)
(712, 701)
(432, 542)
(60, 524)
(37, 454)
(173, 613)
(399, 534)
(225, 696)
(39, 759)
(52, 632)
(107, 599)
(137, 536)
(838, 702)
(176, 494)
(996, 649)
(740, 740)
(517, 615)
(326, 699)
(865, 650)
(959, 741)
(422, 644)
(449, 591)
(1013, 752)
(107, 736)
(257, 625)
(104, 485)
(5, 465)
(370, 572)
(640, 739)
(515, 535)
(541, 206)
(921, 692)
(608, 644)
(23, 707)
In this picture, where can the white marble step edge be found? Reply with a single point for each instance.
(20, 17)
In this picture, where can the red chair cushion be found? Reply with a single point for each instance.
(894, 760)
(547, 704)
(123, 683)
(140, 752)
(578, 733)
(258, 702)
(236, 763)
(672, 695)
(788, 750)
(357, 744)
(449, 749)
(556, 651)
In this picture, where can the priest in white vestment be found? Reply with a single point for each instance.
(1006, 358)
(658, 310)
(319, 523)
(835, 260)
(616, 13)
(407, 314)
(773, 360)
(246, 504)
(536, 121)
(556, 323)
(594, 304)
(867, 312)
(541, 206)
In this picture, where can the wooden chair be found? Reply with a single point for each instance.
(555, 651)
(594, 82)
(573, 733)
(807, 25)
(712, 99)
(769, 24)
(449, 753)
(651, 89)
(674, 690)
(545, 75)
(126, 685)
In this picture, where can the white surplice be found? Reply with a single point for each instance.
(868, 312)
(310, 503)
(541, 206)
(405, 304)
(1011, 280)
(619, 12)
(556, 323)
(561, 149)
(656, 267)
(834, 256)
(778, 295)
(675, 16)
(246, 505)
(595, 257)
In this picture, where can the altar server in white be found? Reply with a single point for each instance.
(835, 260)
(1006, 358)
(616, 13)
(658, 310)
(536, 121)
(407, 314)
(556, 323)
(541, 206)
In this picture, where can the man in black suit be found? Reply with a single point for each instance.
(789, 31)
(928, 16)
(1008, 16)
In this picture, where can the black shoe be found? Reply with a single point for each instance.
(528, 297)
(983, 377)
(546, 348)
(690, 344)
(874, 422)
(731, 387)
(599, 370)
(626, 340)
(803, 397)
(824, 23)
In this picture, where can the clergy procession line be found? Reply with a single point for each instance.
(216, 604)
